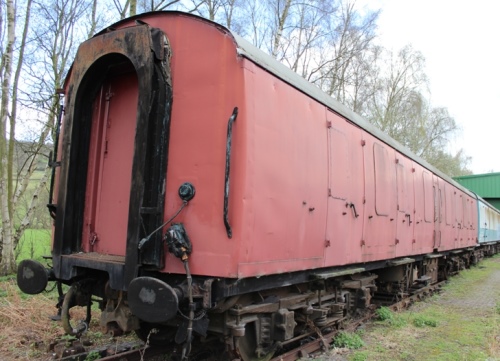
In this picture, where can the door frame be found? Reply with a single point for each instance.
(147, 49)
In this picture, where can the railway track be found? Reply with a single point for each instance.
(322, 341)
(307, 344)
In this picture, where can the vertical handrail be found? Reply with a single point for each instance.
(232, 119)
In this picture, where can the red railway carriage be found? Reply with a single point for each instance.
(179, 135)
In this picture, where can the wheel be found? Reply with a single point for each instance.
(156, 335)
(247, 346)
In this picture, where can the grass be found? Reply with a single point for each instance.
(461, 324)
(24, 319)
(384, 314)
(34, 244)
(27, 330)
(423, 321)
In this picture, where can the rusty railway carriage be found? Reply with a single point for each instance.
(199, 184)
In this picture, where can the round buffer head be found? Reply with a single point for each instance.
(152, 300)
(32, 276)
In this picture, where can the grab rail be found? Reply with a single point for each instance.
(232, 119)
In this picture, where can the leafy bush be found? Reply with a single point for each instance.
(348, 340)
(384, 314)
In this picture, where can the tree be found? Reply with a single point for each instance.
(289, 30)
(222, 11)
(397, 91)
(308, 32)
(350, 38)
(10, 70)
(132, 7)
(399, 107)
(51, 45)
(452, 165)
(122, 9)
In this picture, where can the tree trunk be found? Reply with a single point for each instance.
(8, 115)
(282, 16)
(7, 261)
(133, 7)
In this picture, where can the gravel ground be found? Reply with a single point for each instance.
(484, 295)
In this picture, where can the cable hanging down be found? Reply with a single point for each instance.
(148, 237)
(180, 246)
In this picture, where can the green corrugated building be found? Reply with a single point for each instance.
(486, 186)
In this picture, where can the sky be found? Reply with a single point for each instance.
(461, 43)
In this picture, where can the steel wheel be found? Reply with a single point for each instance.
(247, 346)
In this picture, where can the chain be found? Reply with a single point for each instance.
(197, 317)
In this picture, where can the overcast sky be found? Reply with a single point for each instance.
(461, 43)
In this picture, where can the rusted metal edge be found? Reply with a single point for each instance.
(344, 272)
(399, 262)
